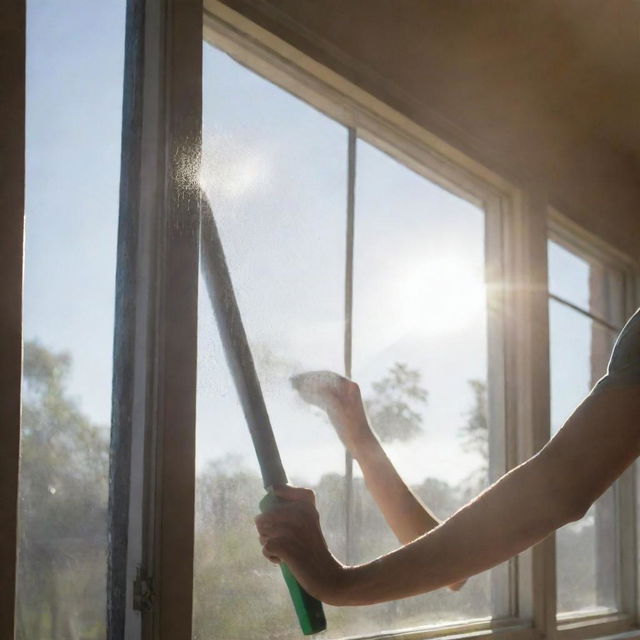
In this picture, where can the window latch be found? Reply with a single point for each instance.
(142, 591)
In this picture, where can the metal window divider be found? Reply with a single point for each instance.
(348, 329)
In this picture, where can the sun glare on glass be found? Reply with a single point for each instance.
(439, 295)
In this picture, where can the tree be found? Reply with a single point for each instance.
(392, 410)
(63, 502)
(475, 435)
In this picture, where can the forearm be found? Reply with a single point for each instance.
(598, 442)
(401, 508)
(513, 514)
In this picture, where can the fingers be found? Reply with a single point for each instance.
(272, 549)
(297, 503)
(286, 521)
(315, 379)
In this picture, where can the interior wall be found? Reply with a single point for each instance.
(534, 91)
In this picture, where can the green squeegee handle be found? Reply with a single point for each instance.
(308, 609)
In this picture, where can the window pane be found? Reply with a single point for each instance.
(594, 287)
(586, 550)
(275, 172)
(420, 324)
(74, 104)
(568, 276)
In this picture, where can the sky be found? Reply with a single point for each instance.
(75, 53)
(275, 169)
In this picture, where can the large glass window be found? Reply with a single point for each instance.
(73, 128)
(586, 311)
(400, 299)
(420, 323)
(276, 174)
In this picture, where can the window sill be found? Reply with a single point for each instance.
(509, 628)
(608, 626)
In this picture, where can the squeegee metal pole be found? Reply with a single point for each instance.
(237, 351)
(238, 354)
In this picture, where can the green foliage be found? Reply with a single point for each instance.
(475, 437)
(392, 409)
(63, 501)
(237, 594)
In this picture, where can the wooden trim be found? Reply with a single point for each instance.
(178, 31)
(153, 479)
(528, 393)
(12, 185)
(485, 629)
(587, 244)
(596, 627)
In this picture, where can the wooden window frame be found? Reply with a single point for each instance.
(12, 185)
(588, 625)
(152, 475)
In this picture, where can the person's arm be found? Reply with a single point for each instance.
(553, 488)
(407, 516)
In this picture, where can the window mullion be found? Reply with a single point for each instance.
(152, 514)
(627, 560)
(626, 496)
(130, 361)
(348, 326)
(12, 141)
(503, 576)
(179, 30)
(527, 391)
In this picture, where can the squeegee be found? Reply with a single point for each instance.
(238, 355)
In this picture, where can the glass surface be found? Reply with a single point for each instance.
(586, 550)
(594, 287)
(275, 172)
(420, 356)
(73, 120)
(568, 275)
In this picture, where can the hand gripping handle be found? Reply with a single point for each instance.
(308, 609)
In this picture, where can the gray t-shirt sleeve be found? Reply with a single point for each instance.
(624, 365)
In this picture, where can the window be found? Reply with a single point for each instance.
(73, 128)
(587, 308)
(277, 178)
(357, 242)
